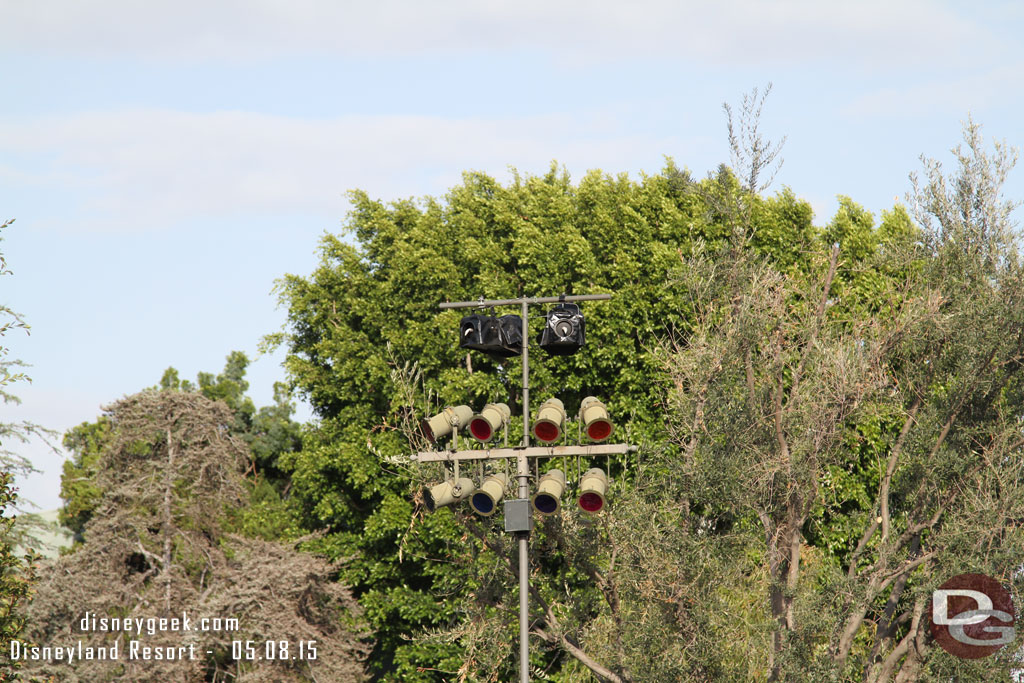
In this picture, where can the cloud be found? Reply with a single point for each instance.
(150, 168)
(748, 32)
(951, 94)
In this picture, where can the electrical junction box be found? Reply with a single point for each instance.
(518, 516)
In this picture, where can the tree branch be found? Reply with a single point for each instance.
(777, 410)
(868, 533)
(819, 319)
(886, 626)
(890, 469)
(603, 673)
(748, 362)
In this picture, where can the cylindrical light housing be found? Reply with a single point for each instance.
(448, 492)
(441, 425)
(594, 416)
(593, 489)
(485, 500)
(485, 425)
(550, 421)
(547, 499)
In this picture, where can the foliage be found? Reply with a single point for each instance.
(371, 308)
(17, 574)
(11, 372)
(18, 577)
(840, 402)
(267, 432)
(884, 430)
(158, 544)
(78, 487)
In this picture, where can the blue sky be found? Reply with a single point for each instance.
(167, 161)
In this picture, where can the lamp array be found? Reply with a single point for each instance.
(593, 487)
(548, 427)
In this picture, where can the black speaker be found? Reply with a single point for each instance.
(563, 333)
(501, 337)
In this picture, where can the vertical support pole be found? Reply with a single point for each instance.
(523, 473)
(526, 382)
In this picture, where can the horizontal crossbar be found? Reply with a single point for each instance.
(506, 453)
(531, 300)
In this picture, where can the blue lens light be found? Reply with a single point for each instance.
(482, 503)
(545, 504)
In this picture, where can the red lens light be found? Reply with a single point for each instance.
(546, 431)
(599, 431)
(480, 429)
(591, 502)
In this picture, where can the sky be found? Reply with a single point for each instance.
(167, 161)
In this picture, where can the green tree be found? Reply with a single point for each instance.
(78, 487)
(894, 418)
(813, 406)
(17, 573)
(359, 321)
(18, 577)
(12, 372)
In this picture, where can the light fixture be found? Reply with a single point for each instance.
(550, 421)
(448, 492)
(485, 500)
(511, 327)
(501, 337)
(442, 424)
(550, 488)
(563, 330)
(593, 488)
(485, 425)
(594, 416)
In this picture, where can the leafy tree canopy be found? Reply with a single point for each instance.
(360, 320)
(809, 402)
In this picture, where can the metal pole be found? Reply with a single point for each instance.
(524, 613)
(526, 393)
(524, 536)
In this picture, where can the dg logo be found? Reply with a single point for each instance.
(972, 616)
